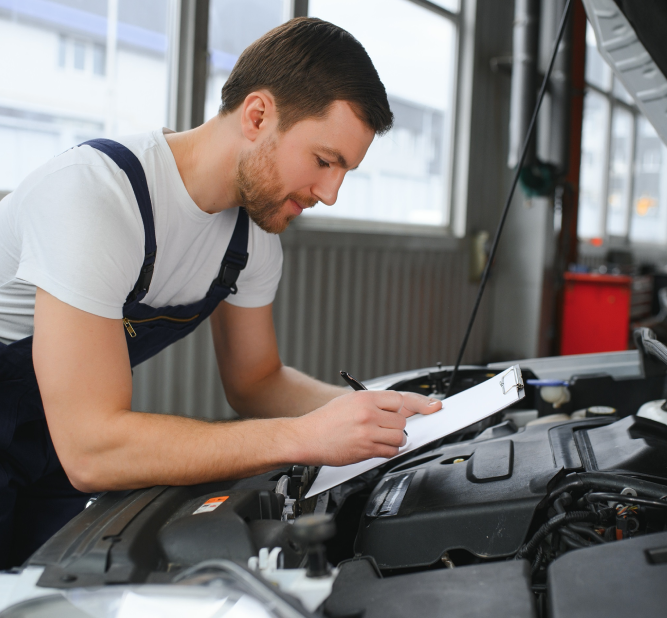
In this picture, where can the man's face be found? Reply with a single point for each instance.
(287, 172)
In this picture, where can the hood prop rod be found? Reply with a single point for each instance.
(515, 181)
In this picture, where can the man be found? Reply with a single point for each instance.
(113, 250)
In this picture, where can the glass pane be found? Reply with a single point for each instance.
(405, 175)
(620, 92)
(649, 200)
(55, 85)
(593, 161)
(232, 26)
(598, 72)
(619, 172)
(62, 51)
(79, 55)
(99, 59)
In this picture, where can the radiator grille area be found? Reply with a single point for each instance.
(370, 310)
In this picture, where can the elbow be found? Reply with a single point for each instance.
(83, 485)
(91, 455)
(84, 475)
(239, 401)
(246, 397)
(83, 482)
(237, 404)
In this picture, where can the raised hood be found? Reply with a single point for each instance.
(632, 37)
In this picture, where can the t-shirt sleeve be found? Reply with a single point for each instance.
(82, 238)
(258, 282)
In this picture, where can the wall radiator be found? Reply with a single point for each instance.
(367, 307)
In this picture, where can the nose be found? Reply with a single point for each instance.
(326, 189)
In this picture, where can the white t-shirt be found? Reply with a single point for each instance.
(73, 228)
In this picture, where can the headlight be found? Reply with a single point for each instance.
(210, 589)
(148, 601)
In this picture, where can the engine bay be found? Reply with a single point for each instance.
(561, 515)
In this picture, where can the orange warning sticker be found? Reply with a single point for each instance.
(211, 504)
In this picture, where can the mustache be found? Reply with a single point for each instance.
(303, 201)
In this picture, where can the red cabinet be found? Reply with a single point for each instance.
(596, 313)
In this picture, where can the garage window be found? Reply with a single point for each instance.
(406, 175)
(232, 26)
(405, 178)
(71, 71)
(623, 183)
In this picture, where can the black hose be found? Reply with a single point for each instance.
(619, 483)
(537, 562)
(569, 483)
(570, 544)
(606, 481)
(571, 539)
(591, 534)
(623, 499)
(565, 499)
(562, 519)
(654, 478)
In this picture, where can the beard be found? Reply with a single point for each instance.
(261, 192)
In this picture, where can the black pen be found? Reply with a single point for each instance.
(356, 385)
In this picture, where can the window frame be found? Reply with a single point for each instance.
(189, 87)
(457, 195)
(614, 102)
(610, 241)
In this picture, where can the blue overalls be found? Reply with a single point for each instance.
(36, 498)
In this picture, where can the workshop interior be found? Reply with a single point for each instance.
(513, 222)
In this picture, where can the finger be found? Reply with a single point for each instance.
(387, 452)
(414, 403)
(390, 437)
(391, 401)
(390, 420)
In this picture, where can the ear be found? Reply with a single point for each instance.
(258, 114)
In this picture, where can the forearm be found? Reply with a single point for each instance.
(256, 382)
(285, 392)
(83, 370)
(135, 449)
(124, 450)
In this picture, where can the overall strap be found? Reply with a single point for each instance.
(126, 160)
(236, 256)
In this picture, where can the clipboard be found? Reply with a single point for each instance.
(459, 411)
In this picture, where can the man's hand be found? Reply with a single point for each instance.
(359, 426)
(418, 404)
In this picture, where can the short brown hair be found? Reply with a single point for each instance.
(307, 64)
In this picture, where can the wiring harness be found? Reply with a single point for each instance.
(594, 508)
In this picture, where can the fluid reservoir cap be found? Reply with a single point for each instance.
(310, 529)
(555, 395)
(600, 411)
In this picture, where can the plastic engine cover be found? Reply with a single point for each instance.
(481, 496)
(617, 579)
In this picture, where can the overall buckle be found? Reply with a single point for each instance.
(229, 274)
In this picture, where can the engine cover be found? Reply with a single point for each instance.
(480, 496)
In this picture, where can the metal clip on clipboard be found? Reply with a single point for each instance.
(518, 382)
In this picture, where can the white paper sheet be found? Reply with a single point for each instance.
(458, 412)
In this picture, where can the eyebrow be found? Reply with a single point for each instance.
(340, 159)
